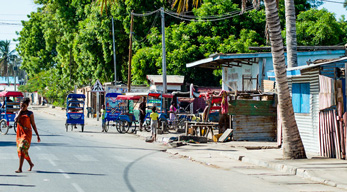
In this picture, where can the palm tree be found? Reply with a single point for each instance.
(292, 143)
(183, 5)
(6, 56)
(292, 60)
(293, 147)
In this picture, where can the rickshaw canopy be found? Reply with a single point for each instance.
(11, 94)
(76, 96)
(112, 94)
(128, 97)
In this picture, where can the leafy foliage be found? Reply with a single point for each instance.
(69, 42)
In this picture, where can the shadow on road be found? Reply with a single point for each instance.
(7, 143)
(12, 175)
(127, 168)
(16, 185)
(70, 173)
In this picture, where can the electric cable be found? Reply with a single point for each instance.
(145, 14)
(145, 38)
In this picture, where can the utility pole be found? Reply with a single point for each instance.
(130, 50)
(14, 70)
(163, 48)
(114, 54)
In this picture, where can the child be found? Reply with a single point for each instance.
(103, 114)
(154, 123)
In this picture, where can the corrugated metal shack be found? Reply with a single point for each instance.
(253, 117)
(315, 96)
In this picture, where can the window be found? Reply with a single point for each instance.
(301, 97)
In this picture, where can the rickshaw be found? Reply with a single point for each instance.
(126, 118)
(112, 110)
(157, 100)
(10, 106)
(75, 111)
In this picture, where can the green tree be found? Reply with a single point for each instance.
(6, 56)
(319, 27)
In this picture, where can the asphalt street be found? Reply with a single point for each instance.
(93, 161)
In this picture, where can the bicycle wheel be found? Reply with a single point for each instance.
(67, 127)
(15, 127)
(125, 126)
(106, 126)
(133, 130)
(82, 127)
(118, 126)
(147, 126)
(4, 127)
(173, 127)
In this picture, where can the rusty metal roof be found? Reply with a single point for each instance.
(170, 79)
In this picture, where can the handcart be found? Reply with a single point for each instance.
(126, 119)
(10, 106)
(75, 111)
(112, 110)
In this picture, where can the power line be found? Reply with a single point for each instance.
(198, 19)
(145, 14)
(5, 23)
(153, 23)
(333, 1)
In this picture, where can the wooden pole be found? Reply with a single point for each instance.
(130, 49)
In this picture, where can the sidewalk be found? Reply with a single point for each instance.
(332, 172)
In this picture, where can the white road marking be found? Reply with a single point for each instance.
(85, 158)
(65, 175)
(77, 187)
(47, 156)
(52, 162)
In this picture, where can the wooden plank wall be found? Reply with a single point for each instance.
(254, 128)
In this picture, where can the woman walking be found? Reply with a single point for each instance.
(25, 120)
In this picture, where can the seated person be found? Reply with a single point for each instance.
(7, 101)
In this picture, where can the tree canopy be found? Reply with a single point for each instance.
(69, 42)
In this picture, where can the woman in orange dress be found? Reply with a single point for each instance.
(25, 120)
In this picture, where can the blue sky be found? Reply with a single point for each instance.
(13, 11)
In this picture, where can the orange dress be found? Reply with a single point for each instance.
(24, 134)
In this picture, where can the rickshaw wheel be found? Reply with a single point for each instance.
(125, 126)
(3, 127)
(134, 129)
(119, 126)
(82, 127)
(106, 126)
(147, 126)
(15, 127)
(67, 127)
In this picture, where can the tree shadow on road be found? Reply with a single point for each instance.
(16, 185)
(70, 173)
(127, 169)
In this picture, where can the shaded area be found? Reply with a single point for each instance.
(16, 185)
(70, 173)
(12, 175)
(7, 143)
(127, 168)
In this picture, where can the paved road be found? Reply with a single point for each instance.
(94, 161)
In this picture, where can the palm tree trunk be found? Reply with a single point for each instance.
(291, 34)
(292, 144)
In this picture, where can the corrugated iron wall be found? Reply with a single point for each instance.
(308, 122)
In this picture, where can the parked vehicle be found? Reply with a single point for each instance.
(112, 110)
(127, 119)
(75, 111)
(10, 106)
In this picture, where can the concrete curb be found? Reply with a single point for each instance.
(304, 173)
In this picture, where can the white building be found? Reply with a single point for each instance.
(174, 82)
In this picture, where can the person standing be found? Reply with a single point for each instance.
(173, 110)
(154, 123)
(25, 122)
(142, 114)
(103, 115)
